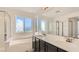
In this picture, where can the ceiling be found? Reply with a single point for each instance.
(50, 11)
(61, 11)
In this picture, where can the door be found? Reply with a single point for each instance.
(4, 30)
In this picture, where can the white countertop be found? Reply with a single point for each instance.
(60, 42)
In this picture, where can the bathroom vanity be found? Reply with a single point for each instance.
(40, 45)
(54, 43)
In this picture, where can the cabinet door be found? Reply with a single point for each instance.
(51, 48)
(37, 45)
(42, 47)
(33, 43)
(61, 50)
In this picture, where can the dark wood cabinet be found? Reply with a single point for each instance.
(51, 48)
(35, 44)
(61, 50)
(42, 46)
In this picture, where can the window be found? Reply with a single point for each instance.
(42, 25)
(28, 25)
(19, 24)
(23, 24)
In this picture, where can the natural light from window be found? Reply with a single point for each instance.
(19, 24)
(23, 24)
(28, 25)
(43, 25)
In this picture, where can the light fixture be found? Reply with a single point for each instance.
(58, 11)
(45, 8)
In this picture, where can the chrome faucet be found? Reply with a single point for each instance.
(43, 33)
(69, 39)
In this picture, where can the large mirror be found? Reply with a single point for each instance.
(73, 27)
(66, 28)
(56, 28)
(59, 28)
